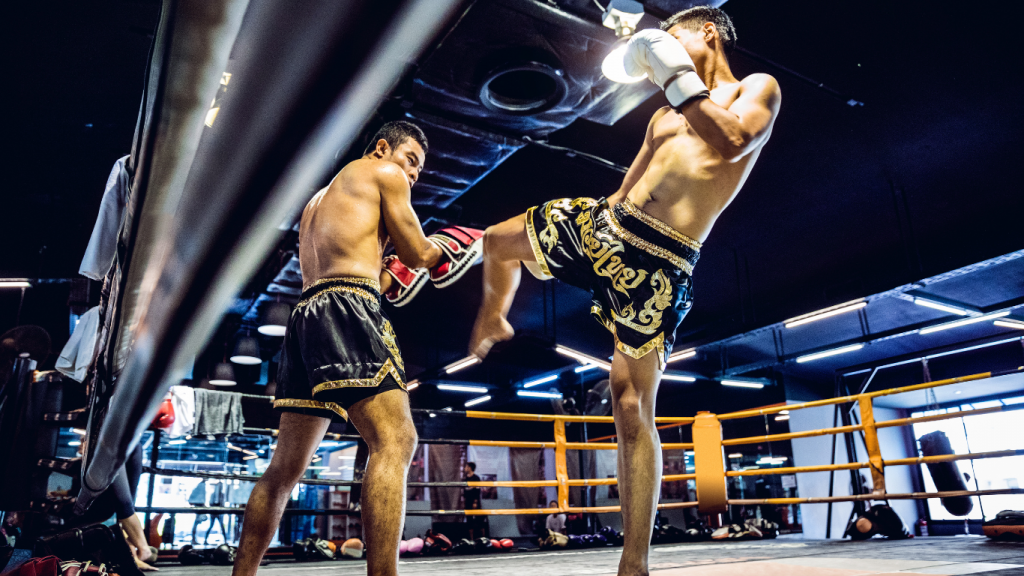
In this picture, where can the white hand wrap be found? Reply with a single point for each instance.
(658, 54)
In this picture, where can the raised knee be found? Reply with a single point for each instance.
(490, 240)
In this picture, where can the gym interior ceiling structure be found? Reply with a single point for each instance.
(855, 344)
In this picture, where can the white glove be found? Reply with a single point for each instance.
(659, 55)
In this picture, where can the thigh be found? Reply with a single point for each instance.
(383, 418)
(509, 240)
(299, 437)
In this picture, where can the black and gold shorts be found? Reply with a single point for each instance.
(339, 348)
(637, 268)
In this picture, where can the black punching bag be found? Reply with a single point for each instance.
(946, 475)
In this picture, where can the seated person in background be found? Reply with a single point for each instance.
(556, 521)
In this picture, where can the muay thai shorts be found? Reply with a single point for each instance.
(637, 268)
(339, 348)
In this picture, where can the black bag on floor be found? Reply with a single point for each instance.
(946, 475)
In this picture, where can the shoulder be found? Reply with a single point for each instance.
(760, 83)
(380, 172)
(660, 113)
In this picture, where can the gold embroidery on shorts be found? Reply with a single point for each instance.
(372, 284)
(537, 252)
(598, 312)
(658, 225)
(390, 340)
(603, 251)
(656, 343)
(387, 368)
(649, 319)
(346, 289)
(553, 213)
(652, 249)
(294, 403)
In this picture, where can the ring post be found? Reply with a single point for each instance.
(561, 469)
(867, 420)
(709, 461)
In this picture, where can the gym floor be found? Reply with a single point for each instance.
(783, 557)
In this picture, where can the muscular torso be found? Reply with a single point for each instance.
(342, 232)
(687, 183)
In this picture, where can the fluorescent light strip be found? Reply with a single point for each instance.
(585, 368)
(678, 377)
(827, 353)
(319, 468)
(464, 363)
(176, 442)
(682, 355)
(1010, 324)
(539, 381)
(742, 384)
(15, 284)
(529, 394)
(736, 455)
(940, 306)
(583, 358)
(476, 401)
(75, 443)
(459, 388)
(79, 431)
(964, 322)
(250, 457)
(412, 385)
(770, 460)
(782, 418)
(826, 313)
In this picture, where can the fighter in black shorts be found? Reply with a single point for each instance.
(340, 358)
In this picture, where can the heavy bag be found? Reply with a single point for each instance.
(946, 475)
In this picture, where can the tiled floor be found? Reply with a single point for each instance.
(787, 557)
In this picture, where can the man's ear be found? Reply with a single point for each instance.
(382, 150)
(709, 31)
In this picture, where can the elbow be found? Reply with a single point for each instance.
(733, 149)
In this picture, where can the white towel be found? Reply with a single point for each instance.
(77, 354)
(99, 255)
(183, 399)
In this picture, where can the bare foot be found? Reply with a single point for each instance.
(487, 332)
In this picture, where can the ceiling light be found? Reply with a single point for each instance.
(412, 385)
(772, 460)
(940, 306)
(464, 363)
(583, 358)
(782, 418)
(432, 415)
(275, 319)
(963, 322)
(743, 384)
(681, 355)
(319, 468)
(79, 431)
(736, 455)
(1010, 324)
(783, 411)
(543, 380)
(250, 457)
(614, 68)
(530, 394)
(677, 377)
(75, 443)
(247, 351)
(476, 401)
(460, 388)
(15, 283)
(177, 442)
(223, 375)
(622, 16)
(826, 313)
(585, 368)
(827, 353)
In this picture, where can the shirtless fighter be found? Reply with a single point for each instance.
(340, 359)
(635, 251)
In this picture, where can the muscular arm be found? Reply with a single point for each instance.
(736, 131)
(640, 163)
(412, 246)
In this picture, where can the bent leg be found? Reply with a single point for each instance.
(385, 423)
(299, 437)
(505, 246)
(634, 387)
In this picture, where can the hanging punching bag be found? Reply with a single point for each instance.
(946, 475)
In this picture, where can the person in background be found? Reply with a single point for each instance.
(556, 521)
(471, 496)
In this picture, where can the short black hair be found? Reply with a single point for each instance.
(693, 19)
(395, 134)
(472, 466)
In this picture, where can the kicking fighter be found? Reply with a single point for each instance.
(340, 359)
(635, 250)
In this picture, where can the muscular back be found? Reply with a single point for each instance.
(342, 231)
(687, 182)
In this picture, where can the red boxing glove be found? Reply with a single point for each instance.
(462, 247)
(165, 416)
(407, 282)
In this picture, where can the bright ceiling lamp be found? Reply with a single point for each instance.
(677, 377)
(412, 385)
(540, 381)
(1008, 323)
(940, 306)
(827, 353)
(246, 352)
(613, 67)
(461, 388)
(15, 283)
(223, 375)
(583, 358)
(826, 313)
(736, 455)
(275, 319)
(782, 417)
(963, 322)
(743, 383)
(772, 461)
(464, 363)
(681, 355)
(531, 394)
(476, 401)
(623, 17)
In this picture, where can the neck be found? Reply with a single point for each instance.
(716, 72)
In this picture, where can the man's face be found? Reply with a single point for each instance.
(467, 470)
(409, 155)
(695, 43)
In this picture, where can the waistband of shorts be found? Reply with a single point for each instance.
(369, 289)
(653, 236)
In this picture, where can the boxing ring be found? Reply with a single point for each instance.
(708, 445)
